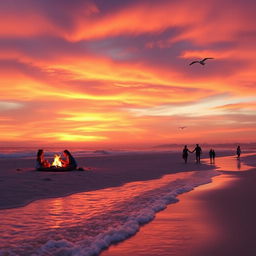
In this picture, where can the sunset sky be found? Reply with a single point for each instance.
(110, 72)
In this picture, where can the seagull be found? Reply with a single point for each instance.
(202, 62)
(182, 127)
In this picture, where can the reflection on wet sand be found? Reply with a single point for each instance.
(83, 214)
(238, 164)
(184, 227)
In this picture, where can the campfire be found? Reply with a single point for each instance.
(57, 163)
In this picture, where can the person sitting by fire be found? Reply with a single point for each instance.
(41, 163)
(70, 161)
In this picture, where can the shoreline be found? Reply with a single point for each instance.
(125, 232)
(206, 221)
(20, 188)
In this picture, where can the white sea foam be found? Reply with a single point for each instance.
(90, 222)
(94, 246)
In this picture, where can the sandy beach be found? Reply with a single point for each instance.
(118, 207)
(214, 219)
(127, 128)
(21, 184)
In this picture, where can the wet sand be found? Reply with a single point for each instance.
(22, 186)
(215, 219)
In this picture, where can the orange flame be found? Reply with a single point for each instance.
(57, 162)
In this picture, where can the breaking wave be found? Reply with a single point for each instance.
(86, 223)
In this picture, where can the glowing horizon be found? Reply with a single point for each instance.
(117, 72)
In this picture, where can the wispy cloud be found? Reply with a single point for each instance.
(95, 71)
(216, 105)
(5, 105)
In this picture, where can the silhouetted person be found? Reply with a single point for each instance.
(198, 151)
(185, 153)
(212, 156)
(41, 163)
(238, 152)
(69, 162)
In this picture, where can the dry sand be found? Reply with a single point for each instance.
(216, 219)
(19, 187)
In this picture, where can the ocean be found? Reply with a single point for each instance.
(30, 152)
(86, 223)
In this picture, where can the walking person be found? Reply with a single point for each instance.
(238, 152)
(185, 153)
(212, 156)
(198, 151)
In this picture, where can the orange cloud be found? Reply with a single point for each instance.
(88, 73)
(137, 19)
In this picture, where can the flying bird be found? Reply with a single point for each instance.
(202, 62)
(182, 127)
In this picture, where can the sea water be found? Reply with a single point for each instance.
(30, 152)
(86, 223)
